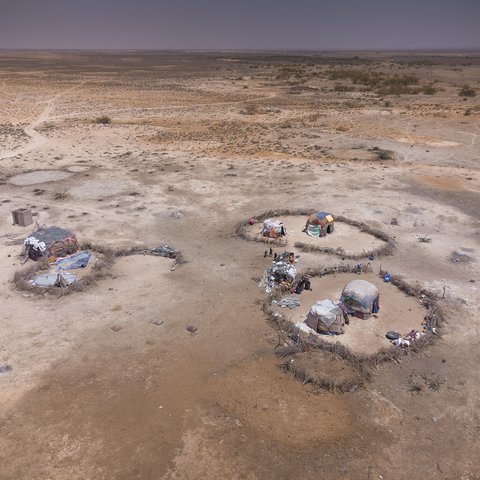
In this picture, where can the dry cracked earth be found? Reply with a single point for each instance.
(191, 144)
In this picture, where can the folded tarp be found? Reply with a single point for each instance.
(77, 260)
(54, 279)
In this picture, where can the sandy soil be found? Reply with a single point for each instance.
(197, 143)
(397, 312)
(346, 237)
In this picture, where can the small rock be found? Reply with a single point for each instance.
(191, 328)
(158, 322)
(116, 328)
(5, 369)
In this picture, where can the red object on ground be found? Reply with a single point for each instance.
(252, 221)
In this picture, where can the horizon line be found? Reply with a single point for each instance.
(247, 50)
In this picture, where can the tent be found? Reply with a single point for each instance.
(319, 224)
(360, 298)
(50, 242)
(326, 317)
(273, 228)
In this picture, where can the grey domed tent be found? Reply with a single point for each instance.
(326, 317)
(360, 298)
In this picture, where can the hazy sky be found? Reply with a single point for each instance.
(240, 24)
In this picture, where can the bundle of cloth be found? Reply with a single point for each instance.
(273, 228)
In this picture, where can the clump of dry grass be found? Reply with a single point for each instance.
(103, 120)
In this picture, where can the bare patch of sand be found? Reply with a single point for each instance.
(441, 182)
(38, 176)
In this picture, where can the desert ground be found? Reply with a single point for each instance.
(132, 149)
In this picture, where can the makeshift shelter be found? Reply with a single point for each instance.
(282, 272)
(319, 224)
(326, 317)
(50, 242)
(273, 228)
(360, 298)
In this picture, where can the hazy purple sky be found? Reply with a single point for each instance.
(240, 24)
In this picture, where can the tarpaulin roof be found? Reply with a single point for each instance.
(360, 292)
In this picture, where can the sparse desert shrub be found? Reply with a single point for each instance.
(377, 81)
(382, 154)
(429, 89)
(468, 112)
(250, 109)
(343, 88)
(60, 195)
(103, 120)
(467, 91)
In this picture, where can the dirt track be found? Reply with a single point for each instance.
(182, 162)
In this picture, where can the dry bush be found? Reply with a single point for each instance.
(103, 120)
(467, 91)
(250, 109)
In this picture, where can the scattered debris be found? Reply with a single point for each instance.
(392, 335)
(393, 221)
(424, 238)
(191, 328)
(162, 251)
(5, 369)
(281, 274)
(408, 339)
(158, 322)
(289, 302)
(462, 256)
